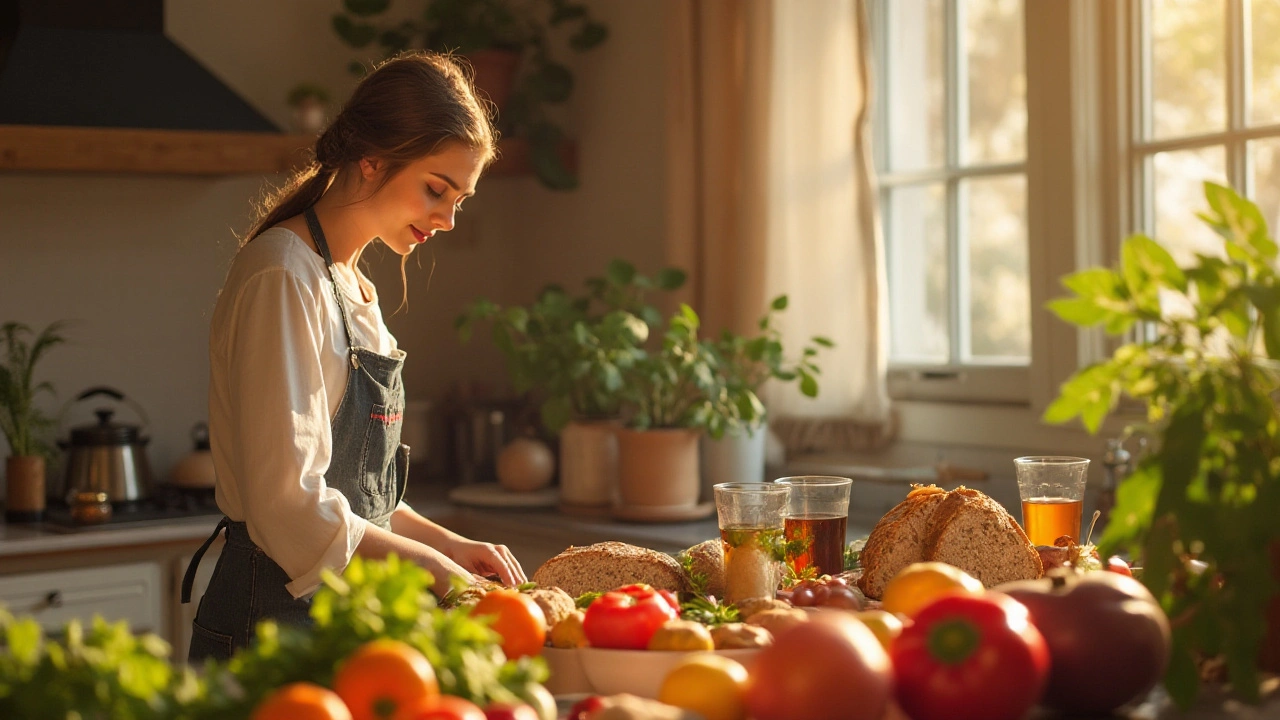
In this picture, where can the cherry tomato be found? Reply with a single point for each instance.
(627, 618)
(444, 707)
(585, 707)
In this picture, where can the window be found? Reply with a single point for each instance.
(951, 157)
(1205, 105)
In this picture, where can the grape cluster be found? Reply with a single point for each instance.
(823, 592)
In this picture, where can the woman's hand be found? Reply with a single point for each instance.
(484, 558)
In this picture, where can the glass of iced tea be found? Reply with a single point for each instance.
(1052, 491)
(751, 531)
(817, 514)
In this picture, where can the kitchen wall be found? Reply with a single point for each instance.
(136, 261)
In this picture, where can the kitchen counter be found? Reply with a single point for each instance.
(35, 539)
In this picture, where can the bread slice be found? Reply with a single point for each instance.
(898, 539)
(976, 534)
(609, 565)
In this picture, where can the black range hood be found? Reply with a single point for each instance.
(108, 64)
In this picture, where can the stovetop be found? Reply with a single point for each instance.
(166, 503)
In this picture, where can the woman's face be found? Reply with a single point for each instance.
(422, 198)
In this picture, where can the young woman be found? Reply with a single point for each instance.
(305, 393)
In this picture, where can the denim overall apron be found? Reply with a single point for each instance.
(369, 466)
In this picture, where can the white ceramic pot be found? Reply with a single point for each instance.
(733, 458)
(589, 463)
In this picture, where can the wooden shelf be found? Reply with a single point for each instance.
(187, 152)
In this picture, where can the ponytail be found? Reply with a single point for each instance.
(407, 108)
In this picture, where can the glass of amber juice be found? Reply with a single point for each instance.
(1052, 491)
(817, 514)
(751, 532)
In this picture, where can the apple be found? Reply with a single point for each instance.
(1108, 638)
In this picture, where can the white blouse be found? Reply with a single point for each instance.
(278, 369)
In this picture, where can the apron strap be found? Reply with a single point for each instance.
(317, 234)
(189, 579)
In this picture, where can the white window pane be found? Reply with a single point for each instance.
(916, 91)
(1178, 187)
(999, 293)
(1188, 67)
(1264, 19)
(997, 81)
(1266, 179)
(918, 278)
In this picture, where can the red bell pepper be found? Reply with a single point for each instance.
(970, 657)
(628, 617)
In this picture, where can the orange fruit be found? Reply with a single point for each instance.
(383, 676)
(517, 618)
(301, 701)
(919, 584)
(711, 685)
(884, 625)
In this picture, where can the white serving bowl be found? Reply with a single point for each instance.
(565, 666)
(639, 672)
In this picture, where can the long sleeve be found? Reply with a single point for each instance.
(278, 428)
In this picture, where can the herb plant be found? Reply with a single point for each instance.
(1208, 377)
(526, 27)
(26, 429)
(571, 351)
(748, 362)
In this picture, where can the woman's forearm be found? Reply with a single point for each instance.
(378, 543)
(405, 521)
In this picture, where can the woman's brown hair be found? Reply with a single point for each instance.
(403, 111)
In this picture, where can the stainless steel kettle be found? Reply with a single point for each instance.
(106, 456)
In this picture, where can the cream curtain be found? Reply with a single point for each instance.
(770, 191)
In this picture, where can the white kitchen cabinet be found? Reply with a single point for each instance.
(131, 592)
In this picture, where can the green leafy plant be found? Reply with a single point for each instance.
(747, 362)
(26, 429)
(108, 673)
(571, 351)
(526, 27)
(1200, 510)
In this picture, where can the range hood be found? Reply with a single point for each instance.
(108, 64)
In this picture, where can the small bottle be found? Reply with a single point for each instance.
(90, 508)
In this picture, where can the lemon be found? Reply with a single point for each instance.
(884, 625)
(711, 685)
(919, 584)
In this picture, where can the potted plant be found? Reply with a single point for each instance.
(1200, 509)
(509, 44)
(310, 104)
(570, 352)
(25, 428)
(748, 362)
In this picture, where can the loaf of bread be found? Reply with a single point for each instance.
(964, 528)
(706, 561)
(609, 565)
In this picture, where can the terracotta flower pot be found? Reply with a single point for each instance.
(25, 497)
(658, 468)
(589, 463)
(495, 72)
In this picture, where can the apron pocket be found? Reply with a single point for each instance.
(382, 438)
(207, 644)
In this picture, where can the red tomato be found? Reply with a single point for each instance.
(585, 707)
(626, 618)
(1116, 564)
(446, 707)
(506, 711)
(970, 657)
(830, 668)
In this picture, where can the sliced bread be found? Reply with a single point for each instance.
(898, 538)
(976, 534)
(608, 565)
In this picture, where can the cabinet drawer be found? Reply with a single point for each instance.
(116, 592)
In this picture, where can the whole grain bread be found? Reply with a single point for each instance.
(976, 534)
(897, 540)
(706, 562)
(608, 565)
(964, 528)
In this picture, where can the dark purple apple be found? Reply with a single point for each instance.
(1108, 638)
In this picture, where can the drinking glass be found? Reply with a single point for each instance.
(817, 514)
(1052, 492)
(751, 532)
